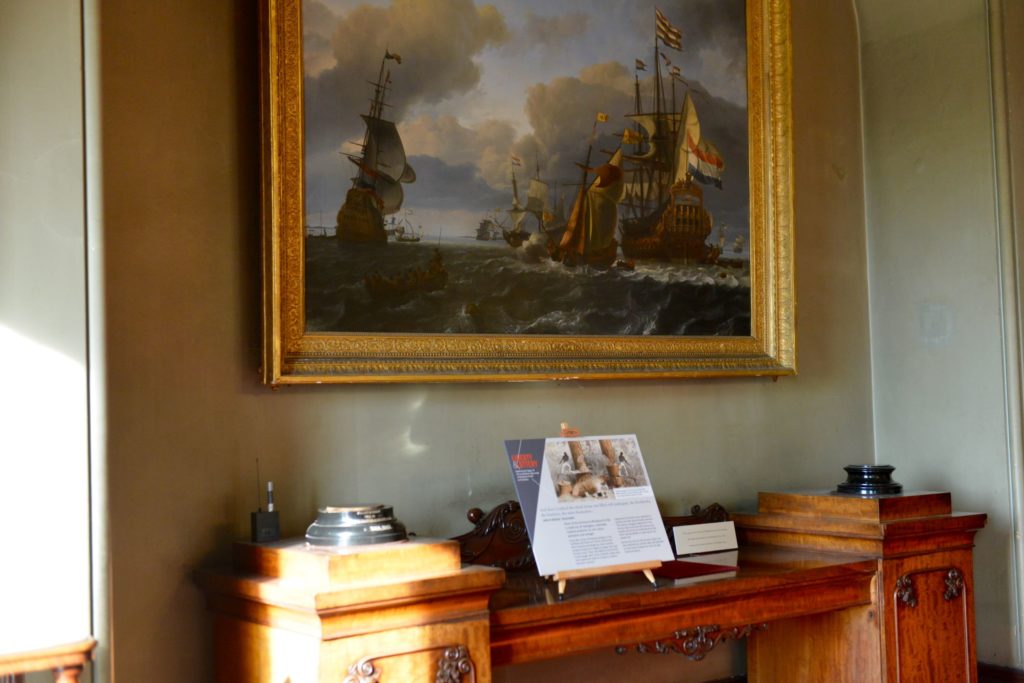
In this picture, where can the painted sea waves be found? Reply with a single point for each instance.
(492, 289)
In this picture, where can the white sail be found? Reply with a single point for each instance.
(604, 194)
(518, 215)
(390, 193)
(515, 192)
(387, 190)
(691, 124)
(385, 153)
(650, 125)
(384, 164)
(537, 196)
(658, 129)
(518, 212)
(697, 157)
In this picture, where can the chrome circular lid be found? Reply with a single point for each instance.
(355, 525)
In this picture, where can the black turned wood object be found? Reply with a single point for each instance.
(869, 480)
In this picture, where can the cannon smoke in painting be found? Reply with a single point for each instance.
(523, 167)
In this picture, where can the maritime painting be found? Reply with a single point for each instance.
(523, 167)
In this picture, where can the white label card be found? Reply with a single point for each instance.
(704, 538)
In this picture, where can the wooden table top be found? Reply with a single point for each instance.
(528, 621)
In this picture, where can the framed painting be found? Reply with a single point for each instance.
(480, 190)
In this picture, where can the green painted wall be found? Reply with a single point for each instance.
(933, 255)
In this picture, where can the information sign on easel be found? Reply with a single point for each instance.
(588, 505)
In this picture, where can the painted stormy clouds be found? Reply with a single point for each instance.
(481, 81)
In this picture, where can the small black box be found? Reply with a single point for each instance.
(265, 526)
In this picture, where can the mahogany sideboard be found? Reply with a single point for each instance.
(828, 588)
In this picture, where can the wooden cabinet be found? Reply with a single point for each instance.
(931, 619)
(925, 577)
(393, 612)
(828, 588)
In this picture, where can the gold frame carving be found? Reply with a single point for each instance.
(293, 356)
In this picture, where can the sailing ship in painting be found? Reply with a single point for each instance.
(488, 229)
(667, 218)
(381, 169)
(517, 235)
(539, 215)
(403, 230)
(589, 236)
(651, 198)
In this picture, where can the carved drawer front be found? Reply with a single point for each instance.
(432, 653)
(932, 626)
(450, 664)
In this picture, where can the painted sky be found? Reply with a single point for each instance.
(479, 81)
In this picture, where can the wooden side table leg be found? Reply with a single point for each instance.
(68, 674)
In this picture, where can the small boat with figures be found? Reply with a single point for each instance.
(403, 286)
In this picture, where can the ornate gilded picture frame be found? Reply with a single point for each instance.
(489, 190)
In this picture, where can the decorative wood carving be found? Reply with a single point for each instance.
(905, 591)
(699, 515)
(362, 671)
(499, 538)
(454, 664)
(694, 643)
(907, 594)
(954, 584)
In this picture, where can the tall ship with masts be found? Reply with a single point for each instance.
(381, 169)
(589, 236)
(546, 220)
(489, 228)
(517, 214)
(663, 210)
